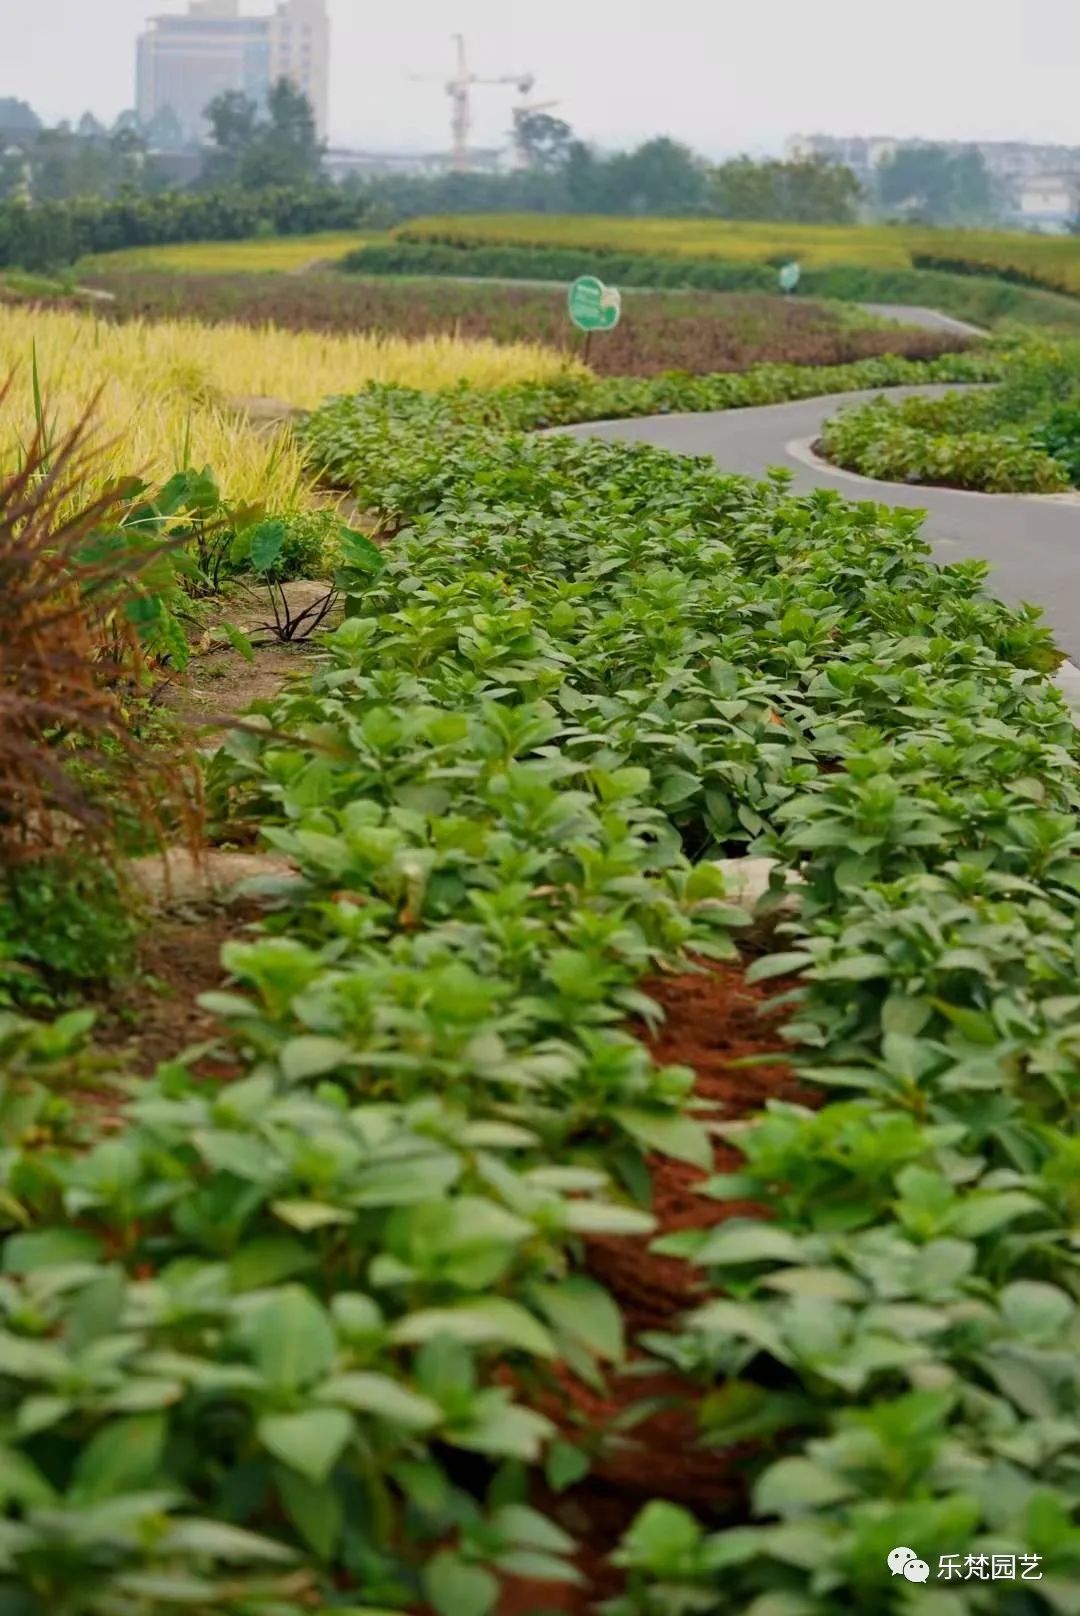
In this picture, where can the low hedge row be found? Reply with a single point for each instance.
(983, 301)
(47, 235)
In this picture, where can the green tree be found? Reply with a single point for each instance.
(543, 141)
(281, 149)
(931, 182)
(660, 176)
(286, 149)
(234, 122)
(165, 132)
(18, 117)
(810, 191)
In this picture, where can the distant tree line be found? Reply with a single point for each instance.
(68, 191)
(558, 173)
(49, 235)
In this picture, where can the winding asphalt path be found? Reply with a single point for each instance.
(1032, 542)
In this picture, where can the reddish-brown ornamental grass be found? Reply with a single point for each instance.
(70, 666)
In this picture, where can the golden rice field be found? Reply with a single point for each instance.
(254, 255)
(169, 390)
(1052, 261)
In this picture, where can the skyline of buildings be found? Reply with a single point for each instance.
(186, 59)
(1039, 182)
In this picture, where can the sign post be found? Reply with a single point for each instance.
(790, 275)
(593, 307)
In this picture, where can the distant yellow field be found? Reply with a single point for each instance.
(256, 255)
(1050, 261)
(169, 390)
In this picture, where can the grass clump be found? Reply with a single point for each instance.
(168, 393)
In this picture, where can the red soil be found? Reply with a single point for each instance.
(713, 1019)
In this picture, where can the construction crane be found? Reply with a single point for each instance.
(459, 89)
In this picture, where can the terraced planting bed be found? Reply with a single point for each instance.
(1052, 262)
(529, 1224)
(693, 332)
(1022, 436)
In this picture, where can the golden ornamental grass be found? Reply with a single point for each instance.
(168, 390)
(252, 255)
(1052, 261)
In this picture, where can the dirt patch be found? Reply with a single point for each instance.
(218, 686)
(154, 1016)
(714, 1020)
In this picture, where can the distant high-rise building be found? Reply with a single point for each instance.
(185, 61)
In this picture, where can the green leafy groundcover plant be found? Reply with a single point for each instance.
(246, 1348)
(1021, 436)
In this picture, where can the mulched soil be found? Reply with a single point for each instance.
(714, 1019)
(154, 1016)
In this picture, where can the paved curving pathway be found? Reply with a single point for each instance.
(928, 319)
(1032, 542)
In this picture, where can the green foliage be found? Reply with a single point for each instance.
(308, 547)
(998, 441)
(264, 1324)
(908, 1309)
(44, 235)
(932, 184)
(1060, 438)
(62, 926)
(255, 153)
(811, 191)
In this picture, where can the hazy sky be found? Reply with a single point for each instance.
(721, 74)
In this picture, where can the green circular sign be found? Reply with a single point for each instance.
(593, 306)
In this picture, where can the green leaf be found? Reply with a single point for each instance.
(312, 1056)
(527, 1527)
(662, 1538)
(310, 1442)
(455, 1588)
(240, 1154)
(357, 550)
(777, 965)
(741, 1242)
(49, 1248)
(564, 1466)
(22, 1483)
(308, 1215)
(681, 1137)
(387, 1399)
(583, 1311)
(124, 1456)
(1035, 1310)
(796, 1484)
(981, 1213)
(506, 1432)
(537, 1566)
(237, 639)
(293, 1340)
(315, 1509)
(600, 1217)
(268, 1260)
(218, 1541)
(495, 1320)
(266, 542)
